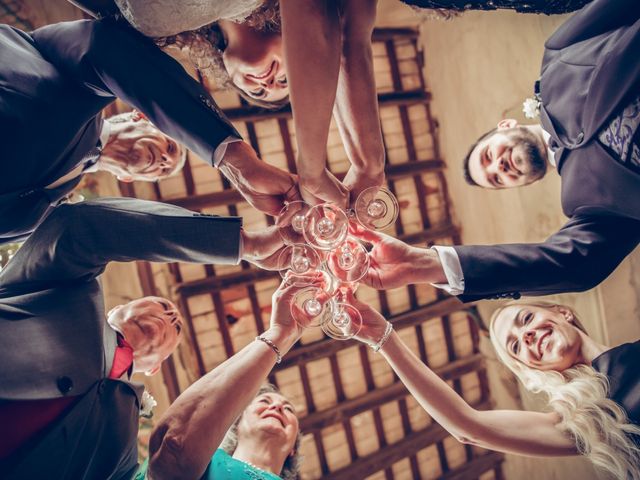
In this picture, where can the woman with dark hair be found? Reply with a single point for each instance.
(547, 7)
(328, 47)
(593, 391)
(228, 424)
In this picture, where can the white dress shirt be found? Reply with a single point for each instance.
(221, 149)
(449, 257)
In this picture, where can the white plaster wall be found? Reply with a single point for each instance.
(479, 67)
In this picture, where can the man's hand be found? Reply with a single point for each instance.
(262, 248)
(394, 264)
(264, 186)
(357, 180)
(324, 187)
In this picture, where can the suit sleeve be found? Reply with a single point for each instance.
(578, 257)
(76, 242)
(595, 18)
(112, 59)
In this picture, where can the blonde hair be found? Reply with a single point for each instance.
(578, 395)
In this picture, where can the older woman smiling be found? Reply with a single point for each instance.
(229, 424)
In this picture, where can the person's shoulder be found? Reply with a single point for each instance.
(220, 456)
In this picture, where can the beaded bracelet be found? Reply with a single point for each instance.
(275, 349)
(385, 336)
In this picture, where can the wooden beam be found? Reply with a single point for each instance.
(325, 347)
(220, 282)
(383, 34)
(376, 398)
(476, 467)
(410, 445)
(252, 113)
(228, 197)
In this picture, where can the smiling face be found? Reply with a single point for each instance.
(139, 151)
(270, 415)
(511, 156)
(153, 328)
(255, 63)
(543, 338)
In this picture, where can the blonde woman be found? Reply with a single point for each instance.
(593, 391)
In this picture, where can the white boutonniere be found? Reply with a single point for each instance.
(147, 405)
(531, 107)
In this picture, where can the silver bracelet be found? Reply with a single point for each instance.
(385, 336)
(275, 349)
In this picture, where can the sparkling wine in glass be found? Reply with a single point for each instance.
(326, 226)
(349, 261)
(344, 322)
(299, 259)
(312, 306)
(376, 208)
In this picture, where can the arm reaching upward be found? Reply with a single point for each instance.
(511, 431)
(312, 70)
(193, 427)
(356, 109)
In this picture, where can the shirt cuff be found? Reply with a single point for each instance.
(452, 270)
(221, 149)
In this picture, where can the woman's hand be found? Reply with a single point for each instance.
(284, 331)
(356, 180)
(373, 323)
(324, 187)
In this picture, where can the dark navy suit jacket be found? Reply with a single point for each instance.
(55, 81)
(591, 69)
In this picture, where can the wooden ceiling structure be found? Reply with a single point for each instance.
(357, 418)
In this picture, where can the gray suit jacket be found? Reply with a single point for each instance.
(589, 71)
(54, 83)
(54, 338)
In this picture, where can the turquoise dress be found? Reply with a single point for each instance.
(223, 467)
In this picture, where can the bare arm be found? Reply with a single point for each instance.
(193, 427)
(512, 431)
(311, 38)
(356, 108)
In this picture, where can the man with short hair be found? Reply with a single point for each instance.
(133, 149)
(590, 131)
(67, 407)
(507, 156)
(54, 83)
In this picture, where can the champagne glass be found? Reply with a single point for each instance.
(325, 226)
(349, 262)
(291, 221)
(344, 322)
(299, 259)
(312, 306)
(376, 208)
